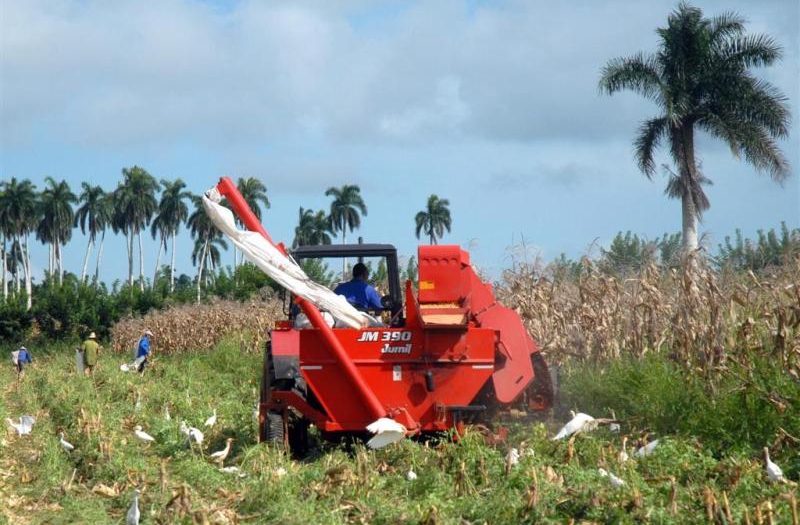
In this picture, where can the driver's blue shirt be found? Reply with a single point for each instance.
(360, 293)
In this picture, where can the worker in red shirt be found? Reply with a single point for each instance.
(358, 291)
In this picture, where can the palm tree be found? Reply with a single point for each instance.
(434, 219)
(134, 205)
(206, 235)
(345, 208)
(700, 79)
(18, 215)
(56, 223)
(93, 216)
(255, 194)
(312, 228)
(172, 212)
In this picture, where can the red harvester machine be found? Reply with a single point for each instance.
(450, 355)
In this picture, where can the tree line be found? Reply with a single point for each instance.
(141, 204)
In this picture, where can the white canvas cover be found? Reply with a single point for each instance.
(284, 270)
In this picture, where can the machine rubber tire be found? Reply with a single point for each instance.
(542, 386)
(273, 428)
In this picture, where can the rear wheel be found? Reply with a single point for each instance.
(539, 394)
(273, 428)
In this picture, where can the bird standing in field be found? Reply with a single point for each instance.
(615, 481)
(580, 422)
(647, 449)
(193, 435)
(212, 420)
(774, 472)
(411, 475)
(220, 455)
(132, 518)
(25, 425)
(623, 454)
(142, 435)
(387, 431)
(66, 445)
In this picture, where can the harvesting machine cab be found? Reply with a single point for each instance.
(447, 353)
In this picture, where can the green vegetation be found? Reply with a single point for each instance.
(468, 480)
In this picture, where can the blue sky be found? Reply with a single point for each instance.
(492, 105)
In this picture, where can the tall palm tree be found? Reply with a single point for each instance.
(134, 205)
(434, 219)
(700, 78)
(93, 216)
(56, 223)
(254, 193)
(19, 216)
(206, 235)
(345, 208)
(172, 212)
(312, 228)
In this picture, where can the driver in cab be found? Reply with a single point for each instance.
(358, 291)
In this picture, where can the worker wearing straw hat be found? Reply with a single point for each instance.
(90, 350)
(143, 350)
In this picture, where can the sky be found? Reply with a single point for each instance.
(491, 105)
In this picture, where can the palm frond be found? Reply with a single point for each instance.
(639, 73)
(750, 51)
(650, 134)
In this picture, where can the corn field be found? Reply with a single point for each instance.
(702, 318)
(191, 328)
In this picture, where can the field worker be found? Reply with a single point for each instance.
(21, 358)
(90, 350)
(143, 350)
(358, 291)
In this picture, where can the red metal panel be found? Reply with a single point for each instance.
(393, 363)
(441, 275)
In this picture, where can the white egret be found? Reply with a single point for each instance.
(167, 416)
(774, 472)
(132, 518)
(647, 449)
(142, 435)
(615, 481)
(192, 435)
(212, 420)
(411, 475)
(232, 470)
(512, 458)
(623, 454)
(387, 431)
(66, 445)
(220, 455)
(579, 422)
(25, 425)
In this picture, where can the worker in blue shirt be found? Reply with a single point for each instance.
(358, 291)
(23, 358)
(143, 350)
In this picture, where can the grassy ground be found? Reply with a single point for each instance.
(465, 482)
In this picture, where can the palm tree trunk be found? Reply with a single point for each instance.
(50, 260)
(200, 269)
(141, 263)
(129, 240)
(3, 256)
(688, 171)
(60, 263)
(344, 259)
(172, 267)
(28, 277)
(158, 262)
(99, 257)
(16, 255)
(89, 246)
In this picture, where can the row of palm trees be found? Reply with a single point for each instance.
(135, 204)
